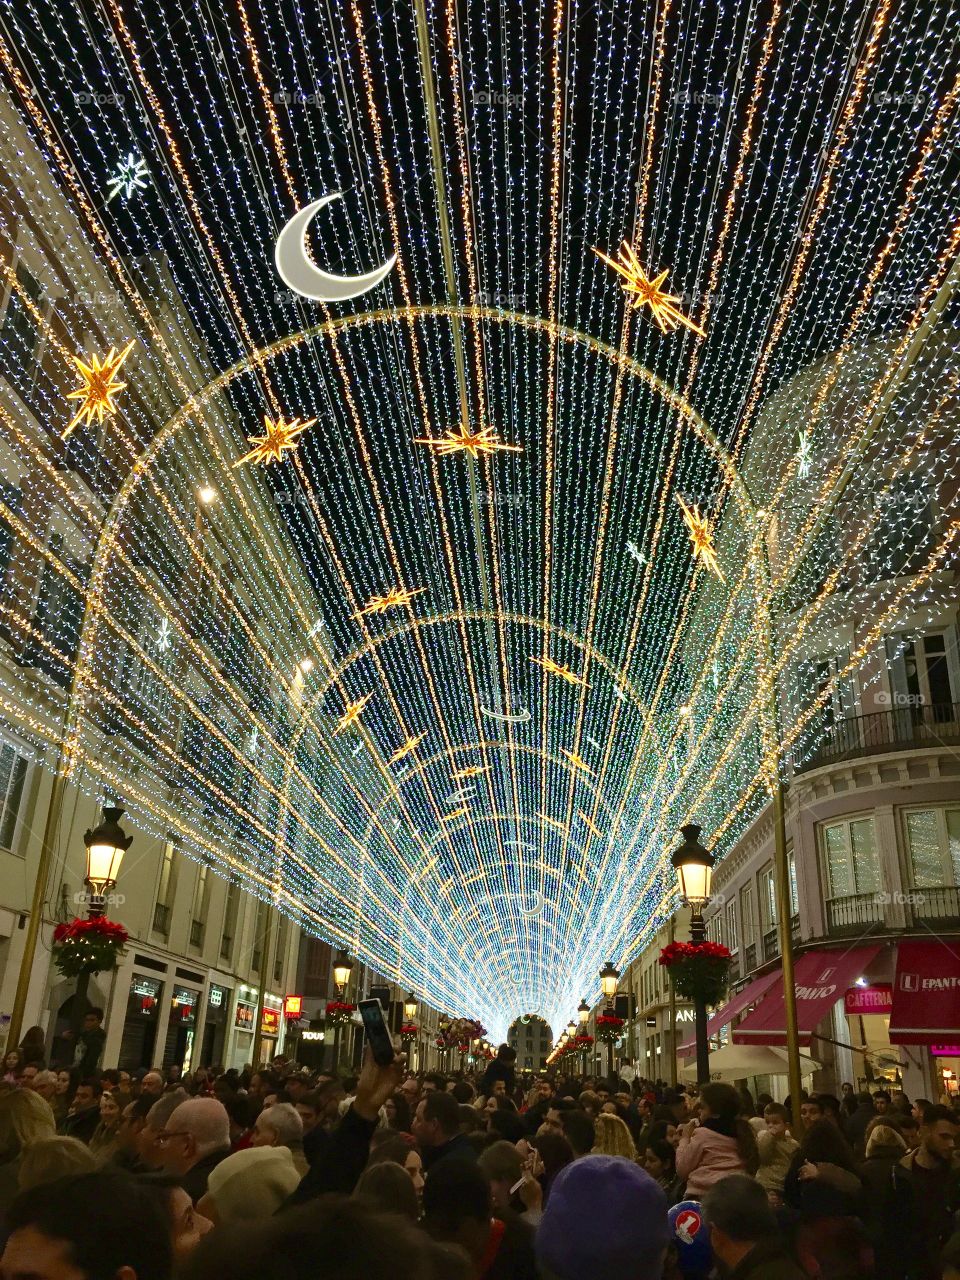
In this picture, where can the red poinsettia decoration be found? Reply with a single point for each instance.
(88, 946)
(340, 1011)
(698, 970)
(609, 1027)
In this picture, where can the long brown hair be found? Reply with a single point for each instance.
(724, 1103)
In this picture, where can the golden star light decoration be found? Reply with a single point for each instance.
(466, 441)
(589, 823)
(701, 537)
(471, 771)
(555, 669)
(405, 749)
(457, 813)
(645, 291)
(352, 714)
(577, 761)
(394, 598)
(100, 386)
(278, 438)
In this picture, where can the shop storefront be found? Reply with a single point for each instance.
(216, 1025)
(244, 1051)
(925, 1011)
(141, 1022)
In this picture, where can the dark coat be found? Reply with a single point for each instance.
(499, 1070)
(194, 1182)
(82, 1124)
(337, 1158)
(459, 1147)
(767, 1260)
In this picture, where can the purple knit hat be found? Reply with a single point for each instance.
(605, 1217)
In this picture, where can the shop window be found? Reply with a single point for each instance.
(746, 914)
(731, 926)
(259, 930)
(231, 915)
(200, 908)
(850, 858)
(767, 885)
(792, 872)
(167, 888)
(281, 952)
(13, 775)
(933, 845)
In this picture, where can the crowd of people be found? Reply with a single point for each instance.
(291, 1174)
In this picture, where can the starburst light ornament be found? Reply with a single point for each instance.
(555, 669)
(804, 455)
(278, 437)
(352, 713)
(405, 749)
(701, 537)
(647, 292)
(131, 175)
(164, 635)
(394, 598)
(466, 441)
(100, 386)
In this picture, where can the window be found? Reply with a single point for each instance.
(230, 915)
(794, 895)
(767, 886)
(731, 923)
(850, 858)
(19, 334)
(13, 774)
(259, 929)
(167, 888)
(933, 844)
(281, 952)
(200, 908)
(746, 914)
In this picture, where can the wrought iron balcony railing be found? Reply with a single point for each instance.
(929, 725)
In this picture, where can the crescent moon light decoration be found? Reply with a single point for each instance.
(299, 274)
(519, 717)
(538, 904)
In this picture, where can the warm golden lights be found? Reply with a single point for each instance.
(394, 598)
(555, 669)
(352, 713)
(647, 292)
(405, 749)
(701, 537)
(465, 441)
(100, 386)
(278, 437)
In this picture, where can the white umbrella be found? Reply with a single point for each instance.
(738, 1061)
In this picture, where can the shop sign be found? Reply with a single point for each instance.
(270, 1026)
(864, 1000)
(311, 1035)
(216, 997)
(293, 1006)
(945, 1051)
(685, 1015)
(144, 987)
(244, 1017)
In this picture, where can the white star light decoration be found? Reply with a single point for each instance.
(164, 634)
(131, 175)
(636, 554)
(804, 455)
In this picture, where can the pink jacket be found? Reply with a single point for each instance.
(706, 1157)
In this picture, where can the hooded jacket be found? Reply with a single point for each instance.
(705, 1157)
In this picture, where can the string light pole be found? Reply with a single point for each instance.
(694, 865)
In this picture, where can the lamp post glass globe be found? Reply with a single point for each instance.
(609, 977)
(693, 864)
(583, 1013)
(571, 1029)
(410, 1007)
(342, 969)
(105, 845)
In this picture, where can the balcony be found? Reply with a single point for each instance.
(853, 914)
(933, 725)
(161, 919)
(196, 934)
(750, 957)
(941, 903)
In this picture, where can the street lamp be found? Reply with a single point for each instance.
(409, 1013)
(583, 1015)
(694, 867)
(342, 969)
(105, 845)
(609, 977)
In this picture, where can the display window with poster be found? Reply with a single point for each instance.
(140, 1023)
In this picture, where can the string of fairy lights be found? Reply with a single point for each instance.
(450, 617)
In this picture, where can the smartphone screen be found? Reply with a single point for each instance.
(376, 1031)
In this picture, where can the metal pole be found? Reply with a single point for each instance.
(698, 933)
(35, 919)
(784, 921)
(673, 1015)
(264, 977)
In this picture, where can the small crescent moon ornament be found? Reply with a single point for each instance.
(299, 274)
(538, 905)
(520, 717)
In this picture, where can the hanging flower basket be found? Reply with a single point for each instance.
(583, 1042)
(339, 1012)
(699, 971)
(88, 946)
(458, 1033)
(609, 1027)
(408, 1032)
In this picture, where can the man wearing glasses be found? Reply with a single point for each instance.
(193, 1142)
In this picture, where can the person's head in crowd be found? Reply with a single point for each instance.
(52, 1158)
(919, 1109)
(457, 1208)
(33, 1044)
(545, 1089)
(411, 1092)
(331, 1238)
(64, 1082)
(555, 1152)
(94, 1226)
(152, 1083)
(747, 1105)
(28, 1074)
(605, 1217)
(463, 1091)
(133, 1117)
(579, 1131)
(660, 1160)
(881, 1102)
(109, 1080)
(44, 1083)
(397, 1112)
(278, 1126)
(884, 1138)
(908, 1127)
(846, 1089)
(506, 1054)
(387, 1187)
(589, 1102)
(502, 1166)
(149, 1137)
(823, 1143)
(740, 1217)
(950, 1258)
(810, 1111)
(433, 1082)
(437, 1120)
(508, 1125)
(24, 1119)
(110, 1111)
(249, 1185)
(553, 1116)
(296, 1086)
(613, 1138)
(395, 1149)
(830, 1107)
(196, 1129)
(87, 1095)
(92, 1019)
(13, 1062)
(309, 1108)
(471, 1121)
(775, 1119)
(938, 1134)
(187, 1225)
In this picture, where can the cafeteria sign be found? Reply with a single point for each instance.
(866, 1000)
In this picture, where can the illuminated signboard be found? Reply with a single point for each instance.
(293, 1006)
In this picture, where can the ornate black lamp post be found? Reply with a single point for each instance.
(694, 867)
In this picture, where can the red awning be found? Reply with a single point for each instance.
(926, 992)
(750, 994)
(821, 978)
